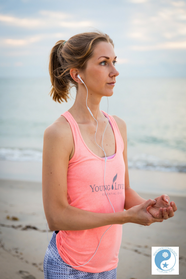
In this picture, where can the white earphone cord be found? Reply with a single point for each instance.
(102, 148)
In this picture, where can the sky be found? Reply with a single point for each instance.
(149, 35)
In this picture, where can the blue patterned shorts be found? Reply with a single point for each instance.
(55, 268)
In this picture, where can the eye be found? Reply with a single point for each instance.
(103, 63)
(114, 62)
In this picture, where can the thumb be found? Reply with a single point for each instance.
(149, 203)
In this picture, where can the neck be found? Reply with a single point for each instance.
(80, 108)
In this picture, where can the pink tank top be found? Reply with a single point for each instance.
(85, 190)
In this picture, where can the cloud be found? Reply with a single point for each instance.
(29, 40)
(138, 35)
(172, 14)
(163, 46)
(52, 14)
(20, 42)
(178, 3)
(159, 23)
(46, 19)
(21, 22)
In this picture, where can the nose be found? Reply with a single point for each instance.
(114, 72)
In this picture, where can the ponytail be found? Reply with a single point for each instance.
(58, 77)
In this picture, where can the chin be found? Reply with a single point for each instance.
(109, 94)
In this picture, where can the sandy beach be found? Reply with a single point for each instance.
(24, 237)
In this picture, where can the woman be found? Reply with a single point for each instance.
(85, 171)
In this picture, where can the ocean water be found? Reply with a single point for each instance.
(153, 109)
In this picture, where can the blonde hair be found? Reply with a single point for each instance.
(71, 54)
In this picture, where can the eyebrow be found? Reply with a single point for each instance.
(107, 57)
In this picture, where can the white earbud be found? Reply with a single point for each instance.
(80, 79)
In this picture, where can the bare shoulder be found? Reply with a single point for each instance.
(121, 125)
(58, 129)
(59, 134)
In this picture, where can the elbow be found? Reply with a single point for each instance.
(52, 226)
(55, 225)
(57, 221)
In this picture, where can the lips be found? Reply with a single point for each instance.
(111, 83)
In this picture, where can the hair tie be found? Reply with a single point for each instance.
(64, 43)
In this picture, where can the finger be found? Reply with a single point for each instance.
(149, 203)
(157, 220)
(166, 198)
(161, 213)
(165, 214)
(170, 212)
(174, 207)
(148, 208)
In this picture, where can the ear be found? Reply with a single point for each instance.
(73, 73)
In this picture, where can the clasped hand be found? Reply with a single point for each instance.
(163, 208)
(152, 211)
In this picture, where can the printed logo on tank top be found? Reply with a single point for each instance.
(114, 188)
